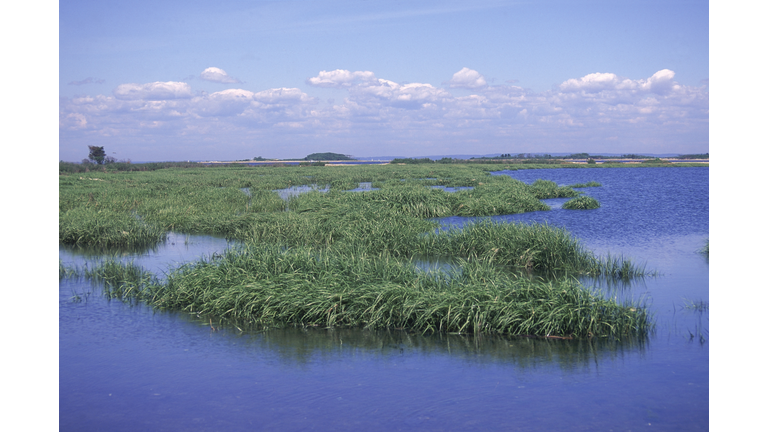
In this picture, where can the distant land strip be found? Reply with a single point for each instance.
(385, 162)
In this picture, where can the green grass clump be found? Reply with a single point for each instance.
(272, 287)
(124, 281)
(587, 184)
(364, 227)
(543, 189)
(581, 203)
(91, 227)
(497, 197)
(534, 247)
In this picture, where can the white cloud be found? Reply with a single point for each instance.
(153, 91)
(283, 96)
(340, 78)
(578, 110)
(467, 78)
(662, 82)
(74, 121)
(215, 74)
(388, 93)
(224, 103)
(595, 82)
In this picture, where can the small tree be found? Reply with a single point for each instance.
(97, 154)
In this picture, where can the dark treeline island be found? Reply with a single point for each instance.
(341, 258)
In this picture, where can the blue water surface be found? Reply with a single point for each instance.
(126, 367)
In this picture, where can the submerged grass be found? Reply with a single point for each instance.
(699, 306)
(705, 250)
(120, 280)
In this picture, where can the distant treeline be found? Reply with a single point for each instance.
(71, 167)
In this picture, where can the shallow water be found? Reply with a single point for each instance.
(126, 367)
(293, 191)
(453, 189)
(363, 187)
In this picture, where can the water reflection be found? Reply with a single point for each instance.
(430, 263)
(177, 249)
(297, 346)
(363, 187)
(294, 191)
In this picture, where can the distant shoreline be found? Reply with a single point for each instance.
(470, 161)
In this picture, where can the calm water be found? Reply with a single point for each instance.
(127, 367)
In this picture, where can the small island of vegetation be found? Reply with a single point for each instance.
(327, 156)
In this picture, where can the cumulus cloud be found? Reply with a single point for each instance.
(283, 96)
(579, 110)
(215, 74)
(595, 82)
(224, 103)
(467, 78)
(73, 121)
(661, 82)
(153, 91)
(389, 93)
(340, 78)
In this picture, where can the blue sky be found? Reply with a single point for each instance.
(201, 80)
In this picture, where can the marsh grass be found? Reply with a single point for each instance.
(535, 247)
(585, 185)
(120, 280)
(346, 259)
(581, 203)
(698, 306)
(274, 287)
(104, 228)
(544, 189)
